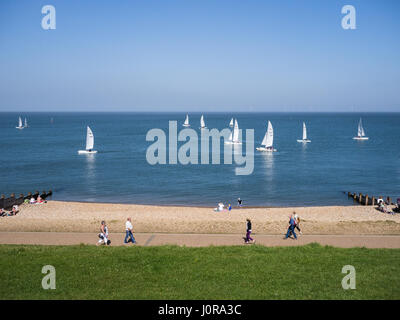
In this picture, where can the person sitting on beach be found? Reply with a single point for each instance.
(129, 229)
(290, 230)
(248, 239)
(40, 200)
(103, 235)
(239, 202)
(15, 209)
(220, 207)
(32, 201)
(3, 213)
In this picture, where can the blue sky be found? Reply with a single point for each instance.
(200, 55)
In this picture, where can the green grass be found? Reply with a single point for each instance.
(171, 272)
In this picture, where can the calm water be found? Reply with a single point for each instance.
(44, 156)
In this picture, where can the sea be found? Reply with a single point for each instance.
(45, 156)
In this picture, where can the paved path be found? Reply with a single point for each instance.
(198, 240)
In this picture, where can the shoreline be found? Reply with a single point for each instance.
(199, 206)
(62, 216)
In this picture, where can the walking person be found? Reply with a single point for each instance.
(129, 229)
(103, 235)
(248, 239)
(291, 228)
(239, 201)
(297, 221)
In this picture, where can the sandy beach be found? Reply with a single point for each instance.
(59, 216)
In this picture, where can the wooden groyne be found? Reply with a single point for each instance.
(7, 203)
(367, 200)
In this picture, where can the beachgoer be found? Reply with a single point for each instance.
(129, 229)
(103, 235)
(220, 207)
(290, 230)
(229, 207)
(297, 221)
(239, 202)
(2, 212)
(15, 209)
(248, 232)
(32, 201)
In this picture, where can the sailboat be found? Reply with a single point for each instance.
(202, 123)
(268, 141)
(234, 136)
(231, 123)
(186, 123)
(20, 126)
(360, 132)
(26, 124)
(89, 143)
(304, 140)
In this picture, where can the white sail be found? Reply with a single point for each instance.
(26, 123)
(360, 131)
(89, 139)
(186, 123)
(230, 137)
(231, 123)
(269, 136)
(235, 137)
(304, 131)
(20, 122)
(202, 123)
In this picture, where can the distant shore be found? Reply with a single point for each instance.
(61, 216)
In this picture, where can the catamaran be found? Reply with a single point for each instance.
(304, 140)
(360, 132)
(89, 143)
(26, 124)
(202, 123)
(231, 123)
(186, 123)
(20, 126)
(234, 136)
(268, 141)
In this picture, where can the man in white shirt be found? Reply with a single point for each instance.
(129, 230)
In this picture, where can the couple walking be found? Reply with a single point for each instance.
(293, 224)
(104, 237)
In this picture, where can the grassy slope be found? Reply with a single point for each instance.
(170, 272)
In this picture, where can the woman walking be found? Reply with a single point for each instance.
(297, 221)
(248, 239)
(103, 235)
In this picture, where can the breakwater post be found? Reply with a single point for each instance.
(367, 200)
(8, 203)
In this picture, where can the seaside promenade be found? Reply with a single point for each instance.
(199, 240)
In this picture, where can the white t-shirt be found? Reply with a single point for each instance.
(128, 225)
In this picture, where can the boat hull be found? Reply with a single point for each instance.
(186, 125)
(87, 152)
(304, 141)
(360, 138)
(20, 128)
(232, 142)
(266, 149)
